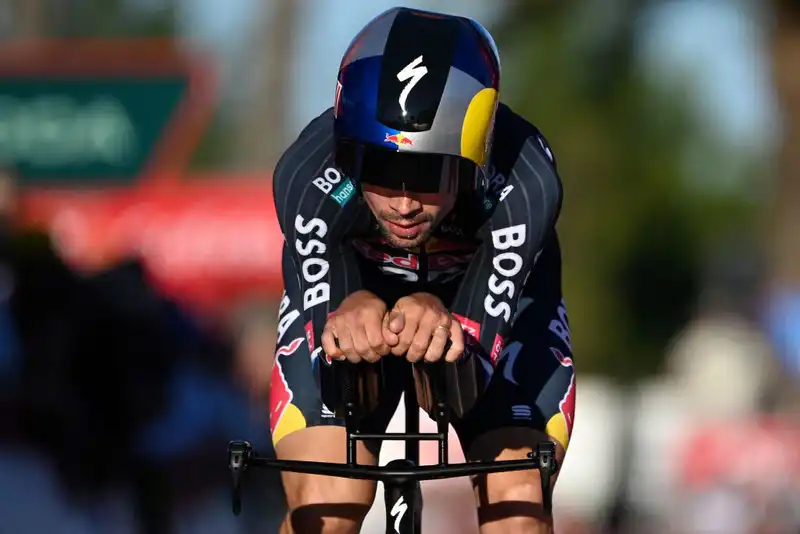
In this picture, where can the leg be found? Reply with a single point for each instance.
(531, 398)
(511, 502)
(319, 504)
(304, 429)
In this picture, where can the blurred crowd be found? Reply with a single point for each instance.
(116, 404)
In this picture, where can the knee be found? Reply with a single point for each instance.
(329, 505)
(515, 509)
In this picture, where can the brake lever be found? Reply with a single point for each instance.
(239, 455)
(545, 454)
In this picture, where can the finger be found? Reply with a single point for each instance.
(361, 343)
(422, 338)
(329, 345)
(437, 345)
(456, 342)
(397, 321)
(346, 344)
(374, 331)
(406, 336)
(389, 337)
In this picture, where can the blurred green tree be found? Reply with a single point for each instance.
(635, 226)
(784, 224)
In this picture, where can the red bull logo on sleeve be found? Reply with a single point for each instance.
(286, 350)
(284, 417)
(560, 425)
(565, 361)
(398, 139)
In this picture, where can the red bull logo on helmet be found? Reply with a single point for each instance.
(399, 139)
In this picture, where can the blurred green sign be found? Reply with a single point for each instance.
(84, 130)
(107, 112)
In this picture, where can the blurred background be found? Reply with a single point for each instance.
(140, 258)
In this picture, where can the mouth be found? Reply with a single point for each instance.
(407, 230)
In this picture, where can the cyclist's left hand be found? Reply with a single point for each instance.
(423, 325)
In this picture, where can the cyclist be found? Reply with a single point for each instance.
(420, 209)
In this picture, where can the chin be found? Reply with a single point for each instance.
(402, 242)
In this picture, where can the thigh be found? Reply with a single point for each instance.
(530, 398)
(298, 375)
(533, 385)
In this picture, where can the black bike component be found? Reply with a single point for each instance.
(401, 478)
(545, 454)
(403, 501)
(240, 454)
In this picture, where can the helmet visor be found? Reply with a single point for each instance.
(408, 171)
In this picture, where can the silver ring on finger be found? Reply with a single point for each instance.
(445, 329)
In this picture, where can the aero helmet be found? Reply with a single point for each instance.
(416, 98)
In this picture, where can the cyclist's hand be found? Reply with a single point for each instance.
(354, 331)
(422, 326)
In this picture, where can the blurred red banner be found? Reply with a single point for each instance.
(206, 241)
(755, 451)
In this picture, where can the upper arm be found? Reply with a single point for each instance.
(525, 215)
(317, 208)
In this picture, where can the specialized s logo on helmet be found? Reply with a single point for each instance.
(413, 72)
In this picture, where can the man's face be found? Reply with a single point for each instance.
(407, 219)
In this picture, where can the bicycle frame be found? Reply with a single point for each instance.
(401, 478)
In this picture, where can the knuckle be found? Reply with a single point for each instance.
(419, 347)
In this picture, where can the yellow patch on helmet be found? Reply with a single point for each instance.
(477, 125)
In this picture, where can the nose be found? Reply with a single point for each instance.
(405, 205)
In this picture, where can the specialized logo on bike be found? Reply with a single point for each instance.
(397, 512)
(342, 193)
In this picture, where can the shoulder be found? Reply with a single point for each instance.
(511, 135)
(310, 151)
(523, 161)
(308, 187)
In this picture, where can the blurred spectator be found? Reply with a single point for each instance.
(724, 339)
(10, 352)
(254, 331)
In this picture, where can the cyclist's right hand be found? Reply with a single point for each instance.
(355, 331)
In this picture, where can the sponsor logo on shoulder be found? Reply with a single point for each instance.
(344, 192)
(331, 178)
